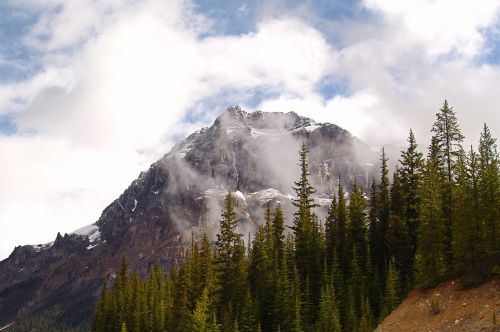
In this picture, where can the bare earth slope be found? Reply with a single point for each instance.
(474, 309)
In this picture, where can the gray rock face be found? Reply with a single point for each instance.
(254, 155)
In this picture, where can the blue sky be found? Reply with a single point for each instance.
(92, 92)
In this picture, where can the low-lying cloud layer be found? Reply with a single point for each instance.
(106, 87)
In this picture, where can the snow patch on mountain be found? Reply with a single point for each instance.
(91, 231)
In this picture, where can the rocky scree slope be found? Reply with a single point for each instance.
(253, 155)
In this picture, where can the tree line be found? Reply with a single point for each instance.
(436, 219)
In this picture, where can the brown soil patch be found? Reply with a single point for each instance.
(448, 308)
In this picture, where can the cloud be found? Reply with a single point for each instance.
(441, 26)
(111, 98)
(120, 81)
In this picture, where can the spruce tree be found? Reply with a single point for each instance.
(432, 232)
(391, 293)
(411, 177)
(302, 223)
(448, 139)
(229, 263)
(340, 230)
(357, 224)
(489, 194)
(468, 228)
(278, 233)
(383, 210)
(329, 319)
(331, 229)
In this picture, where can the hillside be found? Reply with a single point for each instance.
(447, 307)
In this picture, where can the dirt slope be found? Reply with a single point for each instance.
(448, 308)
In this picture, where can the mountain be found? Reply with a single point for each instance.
(179, 197)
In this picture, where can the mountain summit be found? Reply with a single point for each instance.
(179, 198)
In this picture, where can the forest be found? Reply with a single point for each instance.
(435, 218)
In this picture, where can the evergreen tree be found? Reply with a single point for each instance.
(329, 319)
(340, 229)
(366, 321)
(383, 211)
(391, 293)
(230, 262)
(432, 231)
(357, 224)
(468, 229)
(201, 312)
(411, 177)
(448, 139)
(489, 194)
(278, 233)
(303, 223)
(331, 229)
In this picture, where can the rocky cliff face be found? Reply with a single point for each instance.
(254, 155)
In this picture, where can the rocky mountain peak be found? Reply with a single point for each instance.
(254, 155)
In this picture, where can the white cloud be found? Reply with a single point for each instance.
(102, 112)
(119, 76)
(441, 25)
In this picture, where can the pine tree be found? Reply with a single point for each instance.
(489, 194)
(398, 238)
(391, 293)
(331, 229)
(278, 233)
(366, 321)
(468, 229)
(329, 319)
(411, 177)
(200, 314)
(302, 224)
(340, 229)
(230, 262)
(351, 319)
(448, 138)
(357, 223)
(432, 231)
(384, 209)
(375, 240)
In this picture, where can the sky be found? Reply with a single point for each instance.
(94, 91)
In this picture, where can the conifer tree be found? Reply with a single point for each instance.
(489, 194)
(411, 177)
(278, 233)
(384, 210)
(340, 229)
(432, 231)
(329, 320)
(357, 224)
(200, 314)
(230, 263)
(302, 224)
(331, 229)
(391, 293)
(374, 233)
(366, 321)
(468, 229)
(448, 139)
